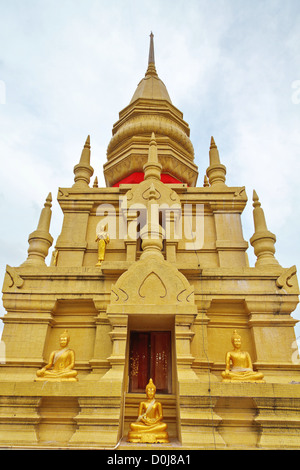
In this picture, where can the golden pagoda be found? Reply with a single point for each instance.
(149, 288)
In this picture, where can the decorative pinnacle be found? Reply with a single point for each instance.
(151, 61)
(48, 200)
(152, 169)
(255, 198)
(206, 183)
(262, 240)
(258, 214)
(45, 217)
(212, 143)
(86, 154)
(216, 171)
(214, 153)
(87, 144)
(40, 240)
(95, 185)
(83, 171)
(151, 50)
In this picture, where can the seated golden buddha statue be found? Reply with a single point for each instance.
(149, 426)
(61, 363)
(238, 365)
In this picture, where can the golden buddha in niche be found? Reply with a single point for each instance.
(149, 426)
(238, 364)
(61, 363)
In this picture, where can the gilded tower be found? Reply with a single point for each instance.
(149, 284)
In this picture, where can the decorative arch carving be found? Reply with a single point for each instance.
(152, 281)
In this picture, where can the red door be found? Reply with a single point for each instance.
(150, 357)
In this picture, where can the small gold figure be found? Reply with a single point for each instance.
(238, 364)
(103, 240)
(62, 363)
(149, 426)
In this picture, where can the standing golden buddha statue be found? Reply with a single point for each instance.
(238, 364)
(149, 426)
(103, 239)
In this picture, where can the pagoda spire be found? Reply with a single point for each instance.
(151, 60)
(150, 110)
(262, 240)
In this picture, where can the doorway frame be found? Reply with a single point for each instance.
(152, 323)
(149, 337)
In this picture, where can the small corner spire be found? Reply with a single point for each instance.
(216, 171)
(40, 240)
(258, 214)
(83, 171)
(45, 217)
(263, 241)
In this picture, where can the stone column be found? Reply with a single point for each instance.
(199, 345)
(184, 358)
(117, 358)
(100, 363)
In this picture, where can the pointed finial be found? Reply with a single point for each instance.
(212, 143)
(83, 171)
(205, 183)
(152, 169)
(95, 185)
(258, 214)
(151, 59)
(214, 156)
(49, 199)
(216, 171)
(45, 217)
(255, 199)
(87, 144)
(263, 241)
(40, 240)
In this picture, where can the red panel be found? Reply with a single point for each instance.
(168, 179)
(138, 177)
(134, 178)
(139, 361)
(150, 357)
(161, 360)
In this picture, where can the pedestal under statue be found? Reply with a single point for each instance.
(61, 363)
(149, 427)
(238, 366)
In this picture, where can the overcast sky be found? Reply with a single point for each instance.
(68, 67)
